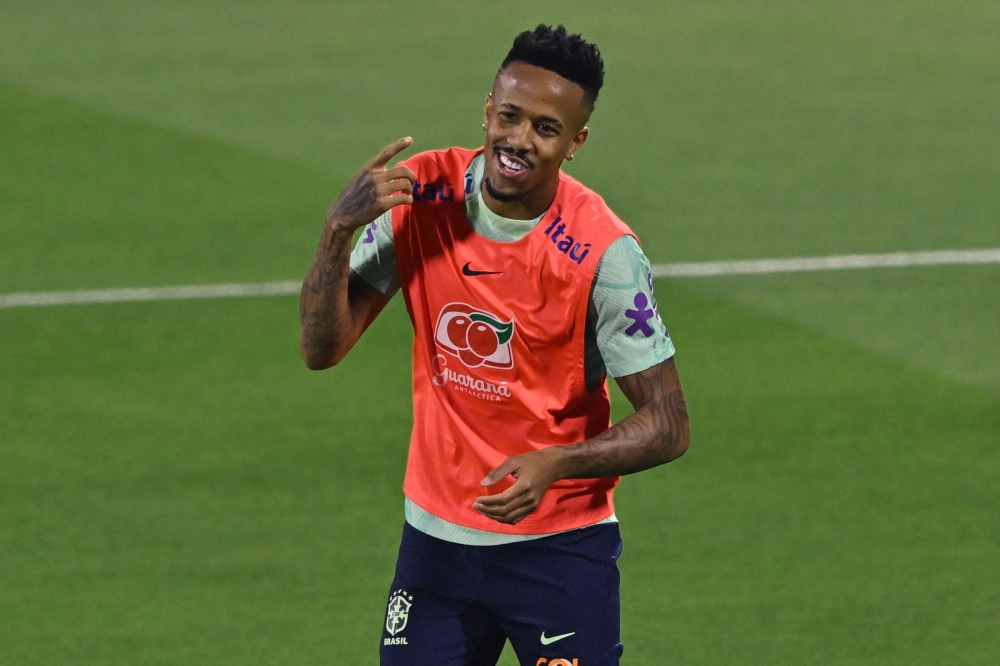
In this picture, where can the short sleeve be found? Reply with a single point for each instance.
(630, 334)
(374, 256)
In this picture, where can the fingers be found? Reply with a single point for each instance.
(397, 185)
(508, 466)
(374, 190)
(396, 199)
(400, 171)
(517, 516)
(391, 151)
(500, 499)
(505, 511)
(522, 498)
(393, 193)
(510, 512)
(510, 506)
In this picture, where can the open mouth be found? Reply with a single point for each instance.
(511, 167)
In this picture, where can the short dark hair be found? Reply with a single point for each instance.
(570, 56)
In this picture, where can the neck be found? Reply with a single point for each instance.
(527, 207)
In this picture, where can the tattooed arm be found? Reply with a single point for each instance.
(656, 433)
(336, 304)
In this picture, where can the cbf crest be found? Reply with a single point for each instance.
(398, 612)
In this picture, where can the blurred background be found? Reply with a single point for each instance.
(176, 487)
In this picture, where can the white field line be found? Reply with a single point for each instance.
(40, 298)
(831, 263)
(693, 269)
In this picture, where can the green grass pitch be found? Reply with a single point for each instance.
(175, 486)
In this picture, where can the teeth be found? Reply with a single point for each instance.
(509, 163)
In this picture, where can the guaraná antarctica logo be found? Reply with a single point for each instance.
(476, 337)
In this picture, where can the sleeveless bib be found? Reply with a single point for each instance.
(498, 349)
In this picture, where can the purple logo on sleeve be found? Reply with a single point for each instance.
(369, 236)
(640, 316)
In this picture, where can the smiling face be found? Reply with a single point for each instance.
(534, 120)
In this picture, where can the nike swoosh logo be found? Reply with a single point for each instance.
(550, 641)
(471, 273)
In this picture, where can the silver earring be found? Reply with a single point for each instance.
(569, 157)
(484, 127)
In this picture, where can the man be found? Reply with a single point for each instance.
(524, 291)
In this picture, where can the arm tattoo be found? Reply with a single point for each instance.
(324, 306)
(656, 433)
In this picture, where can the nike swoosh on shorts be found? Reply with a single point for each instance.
(550, 641)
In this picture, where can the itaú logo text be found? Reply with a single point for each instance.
(556, 662)
(475, 336)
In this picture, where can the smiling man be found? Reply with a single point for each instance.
(525, 291)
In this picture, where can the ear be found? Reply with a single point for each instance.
(578, 141)
(489, 106)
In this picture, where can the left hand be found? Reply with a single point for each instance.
(534, 471)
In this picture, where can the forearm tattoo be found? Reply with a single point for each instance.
(656, 433)
(324, 306)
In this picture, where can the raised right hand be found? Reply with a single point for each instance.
(373, 191)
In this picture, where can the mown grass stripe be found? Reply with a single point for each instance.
(691, 269)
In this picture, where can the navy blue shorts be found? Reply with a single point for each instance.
(556, 599)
